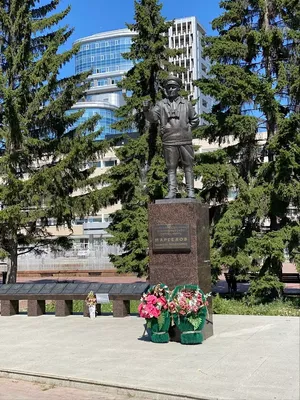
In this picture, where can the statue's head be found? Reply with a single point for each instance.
(172, 86)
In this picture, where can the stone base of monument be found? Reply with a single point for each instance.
(179, 248)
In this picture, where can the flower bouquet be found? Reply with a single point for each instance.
(154, 307)
(91, 302)
(188, 308)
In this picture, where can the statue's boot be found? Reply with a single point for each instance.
(189, 179)
(172, 185)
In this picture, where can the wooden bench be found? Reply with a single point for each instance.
(64, 293)
(290, 277)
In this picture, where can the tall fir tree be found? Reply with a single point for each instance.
(43, 147)
(255, 81)
(140, 177)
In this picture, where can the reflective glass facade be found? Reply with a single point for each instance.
(105, 81)
(104, 56)
(107, 118)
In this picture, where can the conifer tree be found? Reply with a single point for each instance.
(140, 177)
(43, 147)
(255, 81)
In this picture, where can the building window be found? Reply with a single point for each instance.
(117, 41)
(204, 68)
(107, 218)
(232, 193)
(204, 103)
(84, 243)
(106, 44)
(110, 163)
(79, 221)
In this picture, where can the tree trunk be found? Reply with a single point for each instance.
(12, 265)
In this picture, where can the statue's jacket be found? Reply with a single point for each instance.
(177, 119)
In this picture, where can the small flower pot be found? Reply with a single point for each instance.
(92, 311)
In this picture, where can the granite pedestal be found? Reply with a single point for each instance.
(179, 246)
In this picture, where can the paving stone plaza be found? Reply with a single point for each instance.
(248, 358)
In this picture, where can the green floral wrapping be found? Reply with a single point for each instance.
(190, 325)
(159, 328)
(154, 307)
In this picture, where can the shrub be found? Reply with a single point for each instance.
(265, 289)
(279, 307)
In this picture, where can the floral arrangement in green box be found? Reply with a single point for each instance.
(188, 309)
(154, 308)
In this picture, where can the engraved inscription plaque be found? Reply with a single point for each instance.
(171, 238)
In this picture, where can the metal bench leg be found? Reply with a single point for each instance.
(36, 308)
(63, 308)
(121, 308)
(9, 307)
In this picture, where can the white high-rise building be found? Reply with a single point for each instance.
(187, 34)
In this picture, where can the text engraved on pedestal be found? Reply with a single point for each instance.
(174, 237)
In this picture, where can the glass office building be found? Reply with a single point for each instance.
(107, 113)
(102, 55)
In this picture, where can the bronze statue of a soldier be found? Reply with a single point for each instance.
(177, 118)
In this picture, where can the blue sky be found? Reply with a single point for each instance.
(93, 16)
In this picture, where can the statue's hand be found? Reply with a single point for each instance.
(146, 105)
